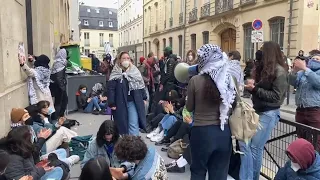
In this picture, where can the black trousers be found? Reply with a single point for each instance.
(210, 151)
(178, 131)
(60, 102)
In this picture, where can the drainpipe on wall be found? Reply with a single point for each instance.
(289, 43)
(29, 26)
(184, 30)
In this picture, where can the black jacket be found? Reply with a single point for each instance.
(81, 101)
(167, 77)
(268, 96)
(59, 81)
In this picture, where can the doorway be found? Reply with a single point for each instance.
(228, 40)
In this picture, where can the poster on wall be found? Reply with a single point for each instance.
(21, 50)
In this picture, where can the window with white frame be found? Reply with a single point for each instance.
(101, 37)
(110, 24)
(277, 30)
(110, 12)
(98, 11)
(205, 35)
(248, 45)
(101, 23)
(88, 10)
(111, 39)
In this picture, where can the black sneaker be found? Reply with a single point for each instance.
(163, 142)
(176, 169)
(96, 112)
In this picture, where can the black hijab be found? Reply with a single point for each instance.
(43, 61)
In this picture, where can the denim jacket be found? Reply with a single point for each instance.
(308, 88)
(152, 167)
(94, 151)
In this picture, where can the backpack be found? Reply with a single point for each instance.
(176, 149)
(68, 123)
(244, 121)
(78, 145)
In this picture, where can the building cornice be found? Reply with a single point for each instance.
(140, 18)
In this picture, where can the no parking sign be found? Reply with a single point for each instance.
(257, 24)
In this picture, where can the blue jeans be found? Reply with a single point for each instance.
(94, 103)
(251, 161)
(168, 121)
(133, 119)
(54, 174)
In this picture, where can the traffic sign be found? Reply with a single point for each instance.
(257, 24)
(257, 36)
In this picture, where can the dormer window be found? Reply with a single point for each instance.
(101, 23)
(88, 10)
(98, 11)
(110, 12)
(110, 24)
(86, 22)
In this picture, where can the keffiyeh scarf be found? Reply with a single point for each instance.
(215, 63)
(236, 71)
(97, 88)
(42, 79)
(132, 74)
(60, 61)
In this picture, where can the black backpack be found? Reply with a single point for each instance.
(68, 123)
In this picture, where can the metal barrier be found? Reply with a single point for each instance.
(274, 155)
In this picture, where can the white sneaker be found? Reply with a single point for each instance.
(153, 133)
(74, 159)
(158, 137)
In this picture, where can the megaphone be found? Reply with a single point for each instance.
(184, 71)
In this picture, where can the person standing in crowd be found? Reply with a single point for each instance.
(304, 162)
(148, 163)
(235, 67)
(248, 75)
(58, 86)
(167, 72)
(191, 57)
(306, 77)
(156, 73)
(268, 93)
(95, 62)
(21, 149)
(103, 145)
(126, 96)
(106, 67)
(38, 80)
(210, 96)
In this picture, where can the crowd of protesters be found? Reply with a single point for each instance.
(189, 119)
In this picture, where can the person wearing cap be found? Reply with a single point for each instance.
(167, 66)
(304, 163)
(20, 117)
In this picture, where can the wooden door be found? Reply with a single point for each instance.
(228, 40)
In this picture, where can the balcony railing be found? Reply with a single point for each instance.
(205, 10)
(223, 6)
(242, 2)
(171, 21)
(165, 24)
(156, 27)
(181, 18)
(193, 15)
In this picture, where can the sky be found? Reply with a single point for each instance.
(101, 3)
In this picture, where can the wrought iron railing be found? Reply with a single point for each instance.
(205, 10)
(242, 2)
(274, 156)
(223, 6)
(171, 21)
(181, 18)
(193, 15)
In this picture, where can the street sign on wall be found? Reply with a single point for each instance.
(257, 24)
(257, 36)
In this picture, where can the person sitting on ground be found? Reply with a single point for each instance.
(304, 162)
(103, 144)
(88, 104)
(20, 147)
(41, 120)
(96, 169)
(97, 92)
(148, 164)
(174, 113)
